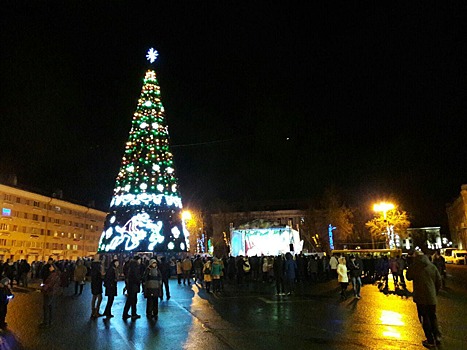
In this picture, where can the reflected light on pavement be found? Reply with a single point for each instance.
(391, 319)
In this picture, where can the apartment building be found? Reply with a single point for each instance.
(36, 227)
(457, 218)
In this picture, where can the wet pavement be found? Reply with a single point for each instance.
(242, 318)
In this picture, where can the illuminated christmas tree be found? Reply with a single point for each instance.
(145, 211)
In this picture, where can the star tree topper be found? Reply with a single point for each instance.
(152, 55)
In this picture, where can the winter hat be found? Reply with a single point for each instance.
(5, 280)
(152, 261)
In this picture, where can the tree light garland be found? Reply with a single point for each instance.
(145, 211)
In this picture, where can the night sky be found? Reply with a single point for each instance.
(262, 102)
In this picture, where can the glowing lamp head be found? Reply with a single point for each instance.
(186, 215)
(384, 207)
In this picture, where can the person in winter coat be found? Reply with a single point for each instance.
(152, 279)
(231, 269)
(198, 266)
(97, 274)
(402, 266)
(186, 266)
(394, 267)
(207, 273)
(440, 263)
(179, 271)
(23, 271)
(50, 290)
(264, 269)
(426, 285)
(164, 268)
(290, 267)
(355, 267)
(216, 271)
(278, 267)
(313, 268)
(79, 276)
(333, 262)
(133, 283)
(45, 270)
(382, 267)
(9, 270)
(5, 296)
(110, 284)
(342, 276)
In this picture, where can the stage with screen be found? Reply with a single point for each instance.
(265, 241)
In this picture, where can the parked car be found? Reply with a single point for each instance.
(455, 256)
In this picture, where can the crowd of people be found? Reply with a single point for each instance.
(150, 275)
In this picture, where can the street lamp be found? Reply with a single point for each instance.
(384, 208)
(186, 215)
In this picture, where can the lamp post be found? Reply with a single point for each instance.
(384, 208)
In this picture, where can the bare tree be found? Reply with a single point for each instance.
(331, 212)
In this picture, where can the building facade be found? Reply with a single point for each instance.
(422, 237)
(457, 219)
(36, 227)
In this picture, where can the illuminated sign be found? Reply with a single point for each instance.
(331, 240)
(6, 212)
